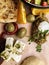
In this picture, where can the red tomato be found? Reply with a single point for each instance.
(44, 4)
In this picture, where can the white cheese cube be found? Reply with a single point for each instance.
(19, 45)
(16, 57)
(9, 42)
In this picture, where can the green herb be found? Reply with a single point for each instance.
(4, 55)
(17, 46)
(7, 46)
(30, 39)
(38, 48)
(38, 37)
(45, 32)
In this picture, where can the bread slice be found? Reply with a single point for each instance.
(8, 12)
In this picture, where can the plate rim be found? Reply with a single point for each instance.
(34, 5)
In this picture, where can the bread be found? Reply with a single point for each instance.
(8, 12)
(32, 60)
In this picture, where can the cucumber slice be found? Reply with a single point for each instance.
(48, 1)
(38, 2)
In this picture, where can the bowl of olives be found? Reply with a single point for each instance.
(37, 3)
(10, 28)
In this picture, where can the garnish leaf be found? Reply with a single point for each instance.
(45, 32)
(38, 36)
(38, 48)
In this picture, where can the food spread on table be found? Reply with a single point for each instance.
(13, 13)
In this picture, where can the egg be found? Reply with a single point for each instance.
(43, 26)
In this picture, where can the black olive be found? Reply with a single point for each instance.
(2, 44)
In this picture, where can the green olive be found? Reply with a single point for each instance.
(21, 32)
(10, 27)
(30, 18)
(17, 46)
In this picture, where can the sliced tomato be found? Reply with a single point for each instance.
(44, 4)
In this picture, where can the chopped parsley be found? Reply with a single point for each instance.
(38, 48)
(39, 37)
(17, 46)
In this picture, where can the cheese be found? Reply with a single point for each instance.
(16, 57)
(9, 42)
(22, 46)
(43, 26)
(13, 51)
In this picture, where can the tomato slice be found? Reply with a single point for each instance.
(44, 4)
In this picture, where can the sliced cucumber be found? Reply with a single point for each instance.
(48, 1)
(38, 2)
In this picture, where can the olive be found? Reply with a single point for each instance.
(30, 18)
(10, 27)
(17, 46)
(21, 32)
